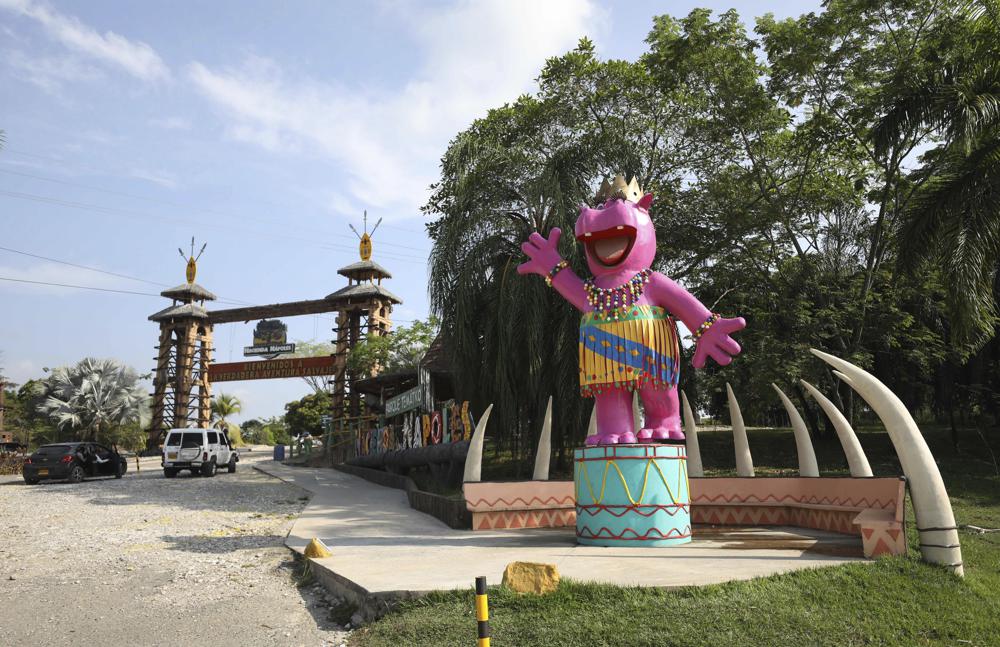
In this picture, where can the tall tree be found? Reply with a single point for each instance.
(93, 397)
(253, 431)
(954, 218)
(400, 349)
(833, 68)
(766, 190)
(796, 165)
(23, 418)
(276, 430)
(305, 415)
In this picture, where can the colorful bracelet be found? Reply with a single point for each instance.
(555, 270)
(703, 328)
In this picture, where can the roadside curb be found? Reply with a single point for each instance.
(370, 606)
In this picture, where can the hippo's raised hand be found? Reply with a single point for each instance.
(543, 253)
(544, 258)
(717, 343)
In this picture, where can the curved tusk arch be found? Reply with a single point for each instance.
(592, 425)
(544, 452)
(939, 541)
(694, 465)
(474, 457)
(744, 461)
(803, 443)
(843, 378)
(856, 459)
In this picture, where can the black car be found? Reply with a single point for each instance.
(73, 462)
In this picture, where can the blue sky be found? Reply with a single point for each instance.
(261, 128)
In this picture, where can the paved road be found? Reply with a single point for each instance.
(150, 561)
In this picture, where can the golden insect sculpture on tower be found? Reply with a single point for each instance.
(365, 246)
(192, 261)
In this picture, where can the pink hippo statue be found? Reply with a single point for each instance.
(628, 336)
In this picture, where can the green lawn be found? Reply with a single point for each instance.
(893, 601)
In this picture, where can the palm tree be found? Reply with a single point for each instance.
(94, 397)
(955, 215)
(224, 406)
(498, 325)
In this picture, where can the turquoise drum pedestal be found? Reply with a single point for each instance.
(632, 495)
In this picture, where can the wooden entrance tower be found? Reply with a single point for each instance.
(364, 308)
(181, 390)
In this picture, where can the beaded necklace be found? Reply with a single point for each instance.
(609, 303)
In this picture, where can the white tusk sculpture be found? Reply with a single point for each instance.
(803, 443)
(744, 462)
(939, 542)
(856, 459)
(544, 452)
(592, 425)
(636, 413)
(694, 466)
(474, 457)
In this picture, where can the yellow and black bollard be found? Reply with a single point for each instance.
(482, 613)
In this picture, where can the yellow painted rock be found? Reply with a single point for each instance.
(317, 549)
(528, 577)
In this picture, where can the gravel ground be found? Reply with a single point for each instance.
(152, 561)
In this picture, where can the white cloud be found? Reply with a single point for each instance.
(50, 73)
(339, 203)
(473, 56)
(171, 123)
(135, 57)
(163, 179)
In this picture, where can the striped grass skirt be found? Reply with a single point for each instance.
(638, 349)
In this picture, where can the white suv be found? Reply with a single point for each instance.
(198, 450)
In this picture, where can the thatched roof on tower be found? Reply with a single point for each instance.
(188, 292)
(362, 292)
(364, 271)
(180, 311)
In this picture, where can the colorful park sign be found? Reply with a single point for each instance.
(272, 368)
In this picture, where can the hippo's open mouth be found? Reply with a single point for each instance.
(610, 246)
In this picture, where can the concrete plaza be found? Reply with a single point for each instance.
(383, 548)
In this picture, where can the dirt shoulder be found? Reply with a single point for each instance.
(152, 561)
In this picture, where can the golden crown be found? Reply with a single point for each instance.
(618, 188)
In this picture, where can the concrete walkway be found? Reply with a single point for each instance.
(383, 547)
